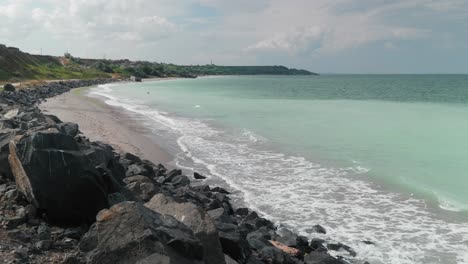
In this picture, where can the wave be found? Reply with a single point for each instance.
(299, 193)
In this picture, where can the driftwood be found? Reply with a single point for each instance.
(21, 179)
(288, 250)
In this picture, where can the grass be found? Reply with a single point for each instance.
(46, 72)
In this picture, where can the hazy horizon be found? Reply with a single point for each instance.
(343, 37)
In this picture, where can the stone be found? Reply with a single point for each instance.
(43, 232)
(317, 257)
(43, 245)
(132, 158)
(220, 190)
(181, 180)
(129, 232)
(9, 87)
(68, 128)
(135, 169)
(319, 229)
(196, 219)
(198, 176)
(70, 172)
(143, 190)
(137, 178)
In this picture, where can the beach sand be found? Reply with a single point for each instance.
(101, 122)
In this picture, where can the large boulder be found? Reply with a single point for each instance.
(5, 137)
(131, 233)
(9, 87)
(196, 219)
(64, 180)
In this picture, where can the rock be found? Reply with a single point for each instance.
(74, 233)
(21, 253)
(219, 190)
(229, 260)
(129, 232)
(155, 259)
(12, 113)
(317, 245)
(290, 239)
(242, 211)
(198, 176)
(196, 219)
(181, 180)
(143, 190)
(54, 174)
(132, 158)
(319, 229)
(316, 257)
(43, 232)
(9, 87)
(43, 245)
(338, 246)
(172, 174)
(137, 178)
(67, 128)
(233, 241)
(135, 169)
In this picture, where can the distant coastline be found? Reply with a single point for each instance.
(18, 66)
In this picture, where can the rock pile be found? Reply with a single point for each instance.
(64, 199)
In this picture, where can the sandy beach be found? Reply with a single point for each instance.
(101, 122)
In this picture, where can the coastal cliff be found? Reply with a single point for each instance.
(65, 199)
(16, 66)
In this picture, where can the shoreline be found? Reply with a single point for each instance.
(102, 122)
(79, 201)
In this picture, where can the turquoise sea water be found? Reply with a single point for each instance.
(371, 157)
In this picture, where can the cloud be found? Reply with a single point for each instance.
(244, 31)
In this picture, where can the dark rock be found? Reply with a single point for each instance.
(129, 232)
(143, 190)
(74, 233)
(338, 246)
(367, 242)
(198, 176)
(59, 175)
(242, 211)
(135, 169)
(233, 241)
(9, 87)
(132, 158)
(43, 245)
(70, 129)
(22, 253)
(180, 180)
(172, 174)
(196, 219)
(317, 257)
(137, 178)
(290, 239)
(317, 245)
(43, 232)
(219, 190)
(319, 229)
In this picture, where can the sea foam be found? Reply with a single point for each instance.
(299, 193)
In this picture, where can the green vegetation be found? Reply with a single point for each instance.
(17, 66)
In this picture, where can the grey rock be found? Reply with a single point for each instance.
(196, 219)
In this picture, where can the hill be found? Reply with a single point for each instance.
(16, 65)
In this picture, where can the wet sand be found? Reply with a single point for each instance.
(101, 122)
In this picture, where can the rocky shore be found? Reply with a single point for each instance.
(65, 199)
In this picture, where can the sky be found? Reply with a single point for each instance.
(325, 36)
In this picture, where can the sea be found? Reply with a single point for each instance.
(380, 161)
